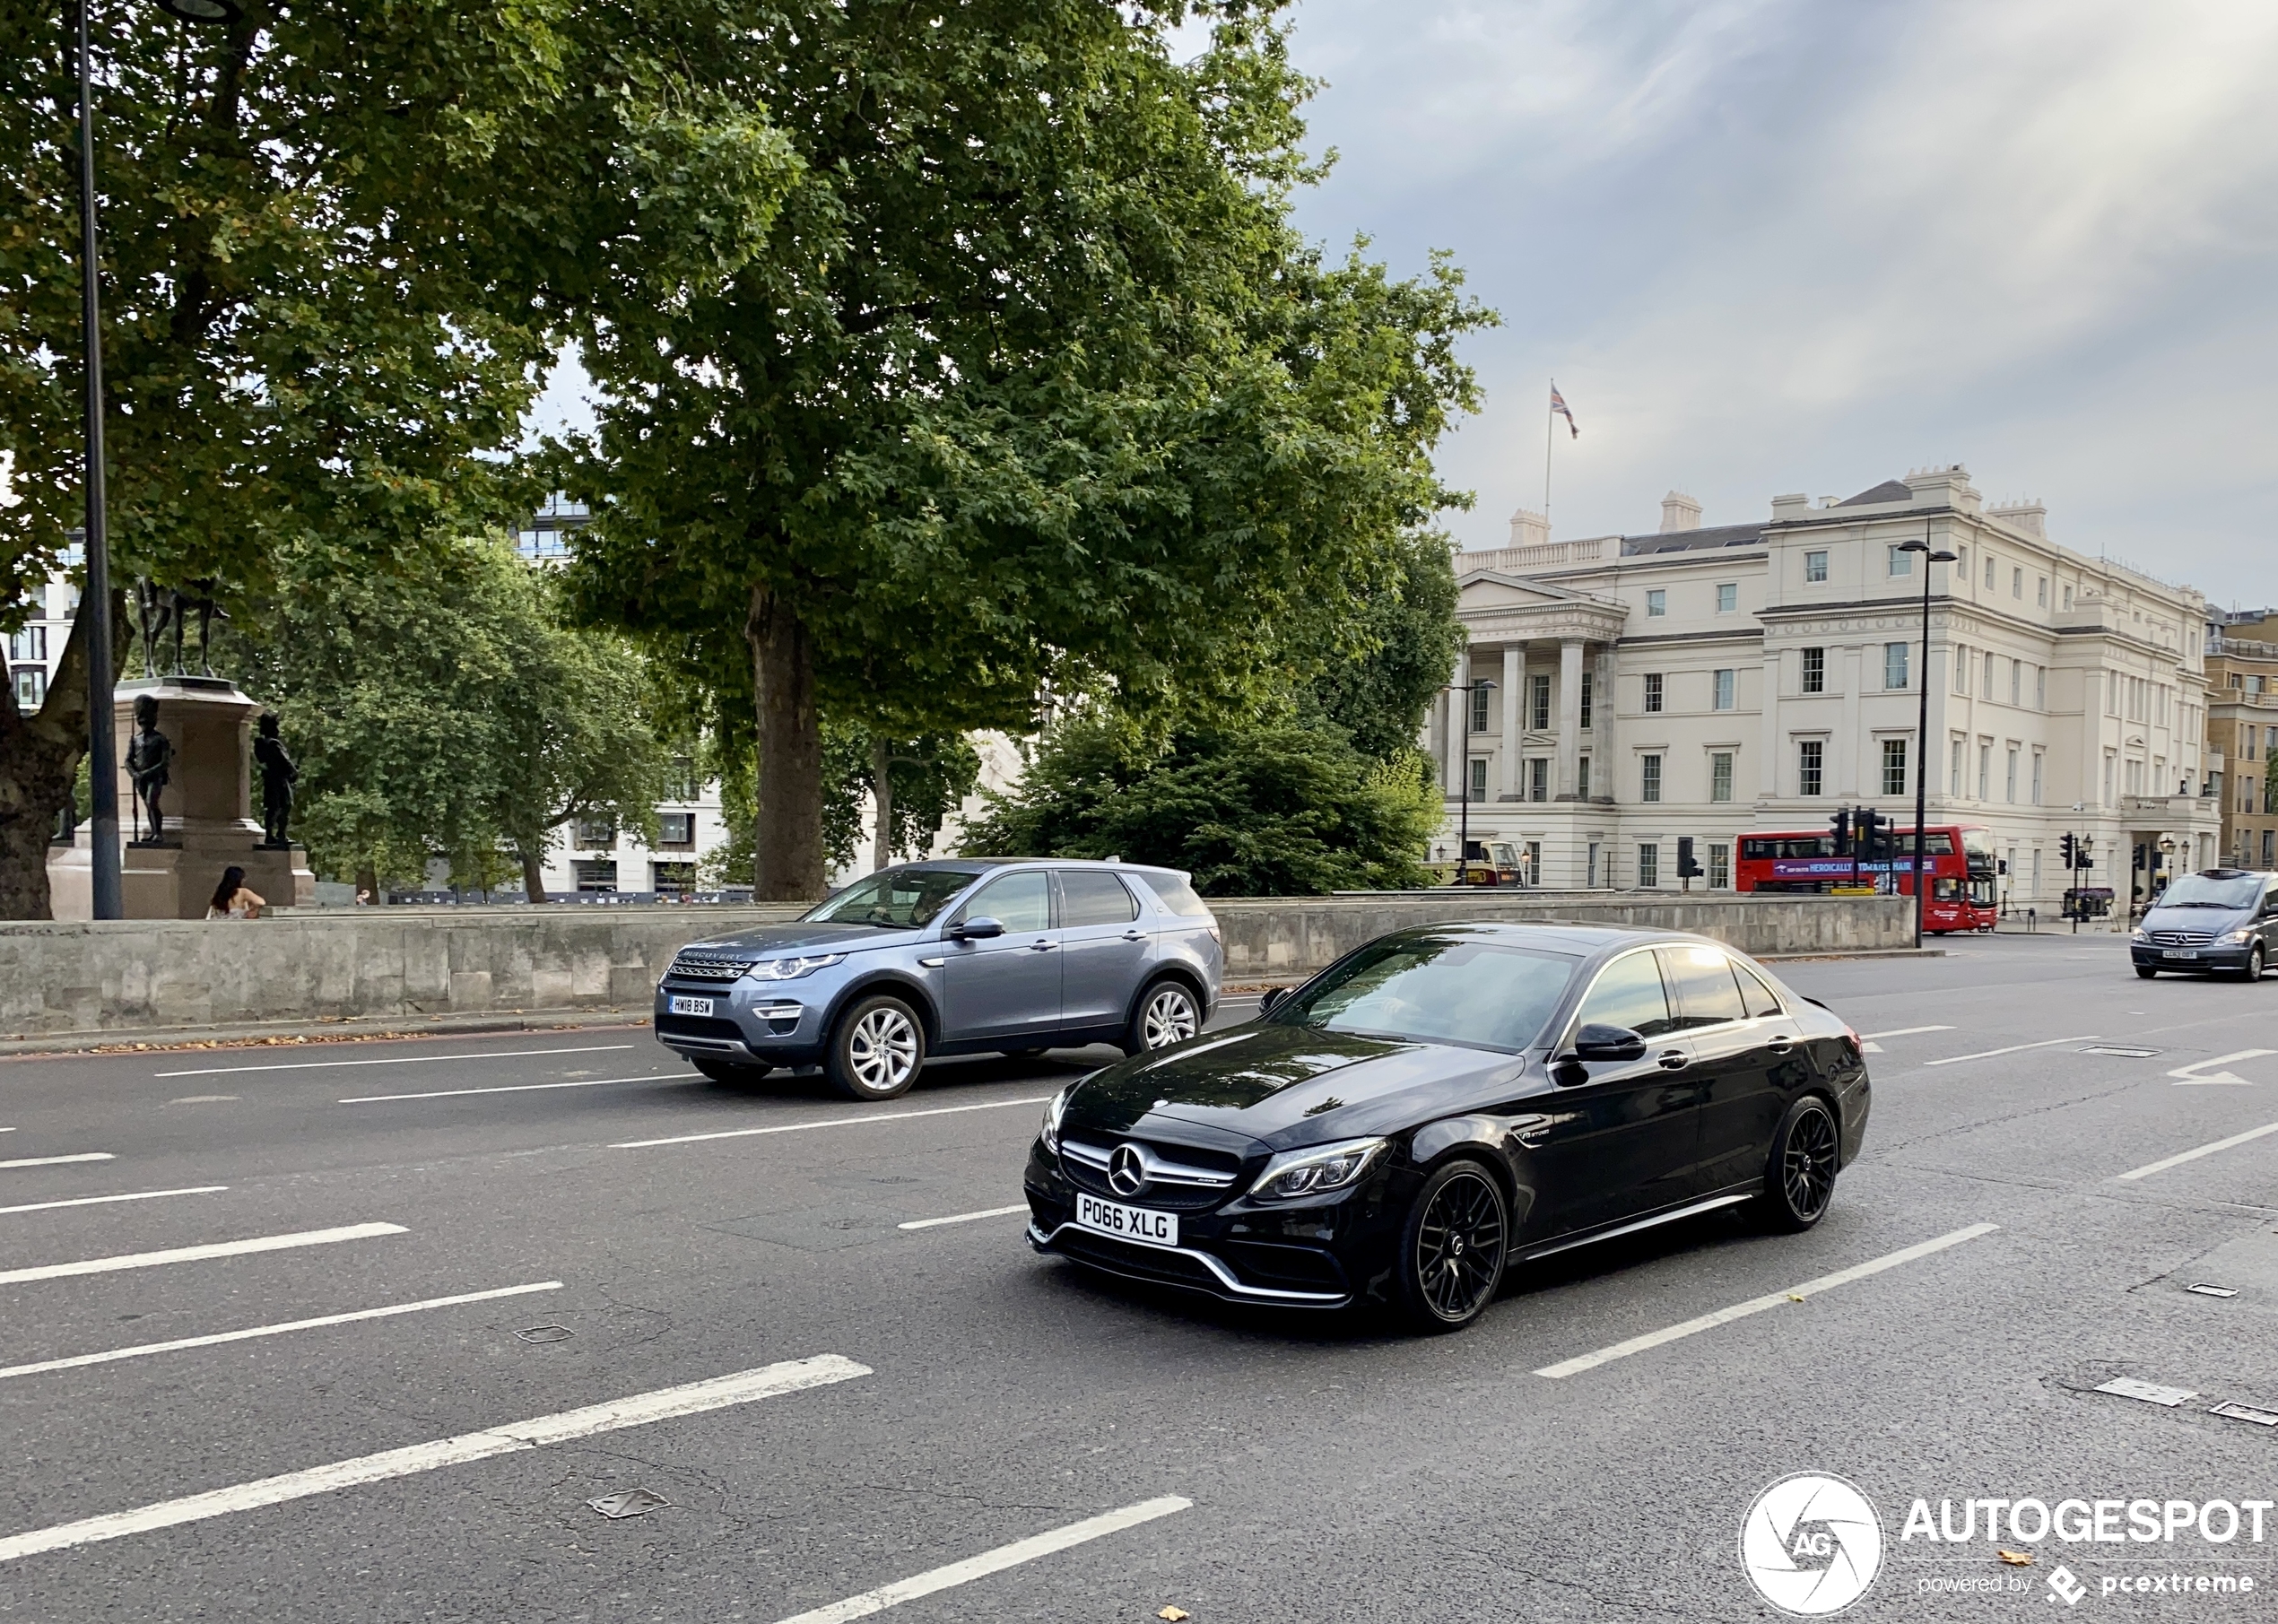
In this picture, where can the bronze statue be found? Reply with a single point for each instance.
(156, 607)
(149, 754)
(278, 776)
(162, 609)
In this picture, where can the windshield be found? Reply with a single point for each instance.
(1439, 989)
(2234, 892)
(898, 898)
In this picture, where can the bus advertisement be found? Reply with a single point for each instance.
(1958, 868)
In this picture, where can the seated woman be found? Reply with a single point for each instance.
(232, 900)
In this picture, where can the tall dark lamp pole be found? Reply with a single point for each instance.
(102, 742)
(1922, 714)
(1463, 786)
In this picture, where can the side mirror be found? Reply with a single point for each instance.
(1274, 996)
(977, 929)
(1595, 1042)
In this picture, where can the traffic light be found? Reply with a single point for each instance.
(2139, 854)
(1871, 828)
(1687, 869)
(1841, 824)
(2087, 855)
(2070, 850)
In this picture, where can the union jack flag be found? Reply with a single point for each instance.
(1557, 405)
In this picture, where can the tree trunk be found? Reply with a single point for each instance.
(38, 758)
(786, 844)
(881, 790)
(534, 878)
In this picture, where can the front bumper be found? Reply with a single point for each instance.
(754, 1026)
(2209, 957)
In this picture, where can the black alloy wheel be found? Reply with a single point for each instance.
(1454, 1247)
(1800, 1182)
(728, 1070)
(2253, 972)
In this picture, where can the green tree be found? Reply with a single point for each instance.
(1034, 387)
(1272, 808)
(1401, 643)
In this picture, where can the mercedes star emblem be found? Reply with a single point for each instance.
(1126, 1173)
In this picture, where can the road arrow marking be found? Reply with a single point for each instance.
(2185, 1075)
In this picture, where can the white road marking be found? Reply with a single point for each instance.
(638, 1410)
(962, 1218)
(517, 1088)
(1868, 1046)
(312, 1065)
(2187, 1074)
(832, 1121)
(1906, 1031)
(98, 1201)
(2165, 1162)
(2015, 1049)
(79, 1359)
(1757, 1305)
(57, 1161)
(990, 1561)
(187, 1255)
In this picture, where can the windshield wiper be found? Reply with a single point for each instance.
(2194, 902)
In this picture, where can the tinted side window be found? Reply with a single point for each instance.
(1629, 993)
(1759, 998)
(1705, 992)
(1088, 897)
(1177, 895)
(1023, 902)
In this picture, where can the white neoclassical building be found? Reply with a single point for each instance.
(1712, 681)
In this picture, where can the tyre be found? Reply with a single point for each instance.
(728, 1070)
(2253, 972)
(1453, 1248)
(1168, 1012)
(1799, 1180)
(2147, 970)
(877, 1049)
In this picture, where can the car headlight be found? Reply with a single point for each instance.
(2139, 935)
(1309, 1172)
(1053, 1107)
(791, 969)
(2237, 938)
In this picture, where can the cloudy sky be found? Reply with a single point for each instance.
(1773, 246)
(1806, 245)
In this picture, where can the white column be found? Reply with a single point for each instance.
(1514, 712)
(1849, 746)
(1570, 716)
(1602, 716)
(1767, 768)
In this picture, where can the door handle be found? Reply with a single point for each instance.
(1781, 1043)
(1134, 935)
(1673, 1060)
(1042, 946)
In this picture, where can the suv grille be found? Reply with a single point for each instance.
(702, 967)
(1192, 1181)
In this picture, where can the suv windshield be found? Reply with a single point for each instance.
(2233, 891)
(897, 899)
(1439, 989)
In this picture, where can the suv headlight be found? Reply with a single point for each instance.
(2139, 935)
(2237, 938)
(1322, 1168)
(791, 969)
(1053, 1107)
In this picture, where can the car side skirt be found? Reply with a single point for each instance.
(1652, 1221)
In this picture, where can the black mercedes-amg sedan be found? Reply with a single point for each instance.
(1443, 1102)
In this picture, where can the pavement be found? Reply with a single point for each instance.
(805, 1329)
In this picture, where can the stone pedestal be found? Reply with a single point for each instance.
(208, 805)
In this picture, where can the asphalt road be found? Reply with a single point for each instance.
(959, 1397)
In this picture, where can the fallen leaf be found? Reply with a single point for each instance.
(1794, 1297)
(1173, 1613)
(2017, 1559)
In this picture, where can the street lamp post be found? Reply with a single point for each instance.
(1922, 716)
(102, 744)
(1462, 784)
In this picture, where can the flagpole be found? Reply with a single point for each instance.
(1550, 436)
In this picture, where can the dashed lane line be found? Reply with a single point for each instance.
(1758, 1305)
(187, 1255)
(315, 1065)
(829, 1121)
(2015, 1049)
(2177, 1160)
(518, 1088)
(103, 1201)
(962, 1218)
(80, 1361)
(1906, 1031)
(57, 1161)
(938, 1579)
(693, 1398)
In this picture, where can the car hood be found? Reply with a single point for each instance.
(767, 940)
(1290, 1084)
(2215, 919)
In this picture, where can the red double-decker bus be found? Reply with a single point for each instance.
(1958, 868)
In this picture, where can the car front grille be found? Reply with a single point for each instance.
(697, 1026)
(1185, 1179)
(701, 967)
(2182, 938)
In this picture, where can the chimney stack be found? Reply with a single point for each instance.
(1529, 529)
(1679, 512)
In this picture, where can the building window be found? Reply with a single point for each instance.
(1895, 766)
(1989, 571)
(1815, 566)
(1720, 775)
(596, 832)
(1728, 596)
(2038, 760)
(1538, 703)
(2040, 600)
(676, 829)
(31, 688)
(1719, 866)
(1955, 783)
(1582, 778)
(1656, 601)
(2040, 687)
(2010, 783)
(1814, 671)
(1538, 778)
(2036, 871)
(1479, 777)
(2108, 778)
(1648, 865)
(1652, 690)
(1961, 668)
(1534, 875)
(1985, 769)
(594, 876)
(2017, 585)
(30, 643)
(1725, 686)
(673, 879)
(1894, 665)
(1902, 561)
(1478, 708)
(2016, 681)
(1650, 780)
(1592, 881)
(1986, 686)
(2068, 598)
(1589, 698)
(1810, 757)
(681, 782)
